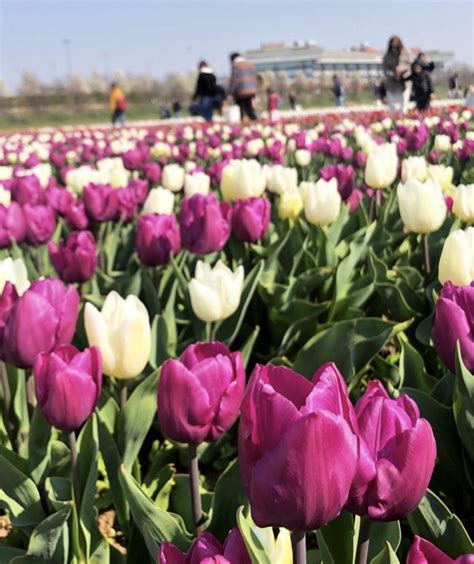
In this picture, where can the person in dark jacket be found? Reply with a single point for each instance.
(243, 85)
(338, 91)
(205, 93)
(422, 87)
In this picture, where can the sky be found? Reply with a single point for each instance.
(160, 37)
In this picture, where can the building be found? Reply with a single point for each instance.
(318, 64)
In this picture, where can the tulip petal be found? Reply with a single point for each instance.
(170, 554)
(205, 301)
(304, 481)
(98, 336)
(423, 552)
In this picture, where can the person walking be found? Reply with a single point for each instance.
(453, 85)
(396, 68)
(338, 91)
(205, 93)
(117, 105)
(292, 100)
(243, 85)
(422, 86)
(273, 105)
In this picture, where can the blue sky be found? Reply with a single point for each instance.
(158, 37)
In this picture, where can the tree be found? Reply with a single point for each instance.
(300, 83)
(30, 84)
(97, 83)
(4, 91)
(78, 85)
(282, 83)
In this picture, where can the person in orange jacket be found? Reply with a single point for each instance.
(117, 104)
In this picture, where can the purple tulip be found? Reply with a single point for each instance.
(76, 217)
(152, 172)
(100, 201)
(403, 450)
(59, 199)
(207, 549)
(12, 225)
(250, 219)
(297, 452)
(132, 160)
(454, 321)
(127, 204)
(75, 260)
(423, 552)
(204, 223)
(345, 176)
(27, 190)
(199, 394)
(40, 223)
(67, 385)
(140, 189)
(32, 161)
(157, 239)
(360, 159)
(47, 313)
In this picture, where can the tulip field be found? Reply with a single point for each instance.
(239, 344)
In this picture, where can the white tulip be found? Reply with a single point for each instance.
(122, 333)
(5, 197)
(198, 183)
(6, 172)
(14, 271)
(422, 206)
(302, 157)
(290, 205)
(456, 263)
(173, 177)
(441, 174)
(189, 166)
(242, 179)
(381, 167)
(463, 203)
(442, 143)
(43, 173)
(322, 201)
(414, 168)
(254, 147)
(78, 178)
(159, 200)
(215, 292)
(282, 179)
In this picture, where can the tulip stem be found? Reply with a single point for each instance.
(364, 540)
(298, 539)
(123, 394)
(426, 257)
(212, 332)
(373, 209)
(7, 401)
(75, 468)
(194, 486)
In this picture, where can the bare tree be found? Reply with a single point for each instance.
(30, 84)
(97, 83)
(282, 83)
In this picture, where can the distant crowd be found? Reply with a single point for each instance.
(404, 80)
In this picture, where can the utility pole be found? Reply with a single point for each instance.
(67, 46)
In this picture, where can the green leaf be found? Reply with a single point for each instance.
(433, 521)
(386, 556)
(350, 344)
(155, 525)
(412, 367)
(8, 553)
(252, 542)
(229, 328)
(20, 495)
(59, 491)
(39, 438)
(247, 347)
(228, 497)
(44, 545)
(336, 540)
(134, 421)
(463, 403)
(101, 554)
(381, 534)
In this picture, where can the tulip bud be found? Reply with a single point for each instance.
(75, 260)
(122, 333)
(47, 312)
(100, 201)
(12, 225)
(152, 172)
(204, 223)
(345, 176)
(463, 203)
(281, 179)
(381, 167)
(423, 552)
(215, 293)
(442, 175)
(250, 219)
(27, 190)
(14, 271)
(157, 239)
(199, 394)
(68, 385)
(456, 263)
(422, 206)
(242, 179)
(40, 223)
(198, 183)
(302, 157)
(322, 202)
(159, 201)
(442, 143)
(286, 423)
(173, 177)
(290, 205)
(453, 323)
(403, 450)
(414, 168)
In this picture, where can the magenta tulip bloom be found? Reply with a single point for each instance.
(454, 321)
(127, 203)
(76, 217)
(27, 190)
(132, 160)
(423, 552)
(75, 260)
(403, 450)
(157, 239)
(100, 201)
(59, 199)
(68, 384)
(250, 219)
(207, 549)
(140, 189)
(43, 318)
(199, 394)
(40, 223)
(12, 225)
(152, 172)
(345, 176)
(297, 452)
(204, 223)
